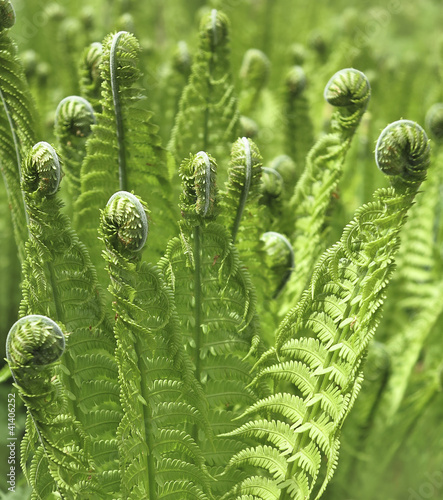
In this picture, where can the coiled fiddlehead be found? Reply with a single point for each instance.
(34, 340)
(403, 151)
(124, 222)
(7, 15)
(34, 345)
(198, 199)
(349, 91)
(89, 72)
(41, 170)
(280, 259)
(74, 118)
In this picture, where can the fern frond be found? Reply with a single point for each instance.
(74, 117)
(214, 297)
(349, 91)
(157, 412)
(16, 124)
(35, 343)
(208, 118)
(340, 311)
(89, 73)
(123, 151)
(60, 281)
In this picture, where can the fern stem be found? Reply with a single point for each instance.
(17, 152)
(147, 419)
(118, 113)
(246, 187)
(198, 304)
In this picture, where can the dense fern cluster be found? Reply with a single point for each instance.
(188, 329)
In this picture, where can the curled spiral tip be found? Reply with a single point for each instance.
(214, 29)
(348, 87)
(403, 149)
(124, 222)
(41, 170)
(198, 174)
(272, 183)
(7, 15)
(296, 80)
(74, 116)
(279, 257)
(34, 340)
(434, 121)
(91, 59)
(120, 51)
(255, 68)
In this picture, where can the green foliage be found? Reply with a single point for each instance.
(213, 346)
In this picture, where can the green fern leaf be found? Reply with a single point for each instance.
(208, 118)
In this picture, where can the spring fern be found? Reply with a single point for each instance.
(150, 353)
(321, 344)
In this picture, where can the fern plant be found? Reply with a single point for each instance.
(183, 332)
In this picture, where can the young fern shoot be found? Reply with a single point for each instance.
(158, 413)
(316, 365)
(349, 91)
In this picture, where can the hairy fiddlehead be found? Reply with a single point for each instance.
(335, 319)
(400, 150)
(89, 72)
(157, 411)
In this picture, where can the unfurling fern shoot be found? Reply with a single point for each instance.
(208, 117)
(322, 343)
(153, 433)
(349, 92)
(74, 118)
(34, 345)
